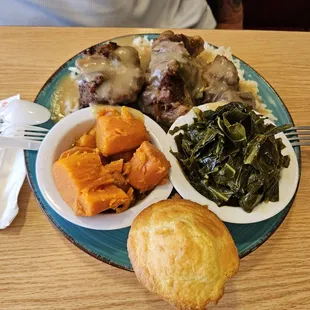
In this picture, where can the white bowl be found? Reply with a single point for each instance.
(60, 139)
(287, 185)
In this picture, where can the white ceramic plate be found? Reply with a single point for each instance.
(287, 186)
(59, 139)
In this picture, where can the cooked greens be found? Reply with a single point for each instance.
(231, 156)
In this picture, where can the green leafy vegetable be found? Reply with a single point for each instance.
(231, 155)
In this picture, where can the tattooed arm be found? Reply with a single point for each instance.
(228, 13)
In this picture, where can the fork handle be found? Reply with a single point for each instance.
(10, 142)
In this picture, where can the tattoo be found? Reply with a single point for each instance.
(236, 3)
(227, 11)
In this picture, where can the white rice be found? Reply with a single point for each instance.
(142, 42)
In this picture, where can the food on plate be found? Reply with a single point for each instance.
(222, 83)
(178, 78)
(176, 73)
(174, 77)
(183, 252)
(92, 180)
(231, 155)
(74, 172)
(78, 150)
(119, 132)
(109, 74)
(93, 202)
(148, 167)
(88, 139)
(126, 156)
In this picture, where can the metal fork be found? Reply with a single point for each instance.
(299, 135)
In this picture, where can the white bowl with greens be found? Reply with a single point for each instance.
(233, 160)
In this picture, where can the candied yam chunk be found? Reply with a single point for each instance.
(119, 132)
(126, 169)
(126, 205)
(77, 149)
(116, 165)
(88, 139)
(148, 167)
(93, 202)
(77, 172)
(116, 169)
(126, 156)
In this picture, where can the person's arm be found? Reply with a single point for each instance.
(228, 13)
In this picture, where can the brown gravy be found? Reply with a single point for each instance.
(65, 98)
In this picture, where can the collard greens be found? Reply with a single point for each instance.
(231, 156)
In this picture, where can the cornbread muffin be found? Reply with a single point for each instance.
(183, 252)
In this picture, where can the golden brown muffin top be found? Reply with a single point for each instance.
(183, 252)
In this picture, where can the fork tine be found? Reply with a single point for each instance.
(34, 138)
(298, 128)
(307, 143)
(35, 129)
(298, 138)
(28, 138)
(30, 133)
(29, 128)
(300, 133)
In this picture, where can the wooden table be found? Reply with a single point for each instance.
(40, 269)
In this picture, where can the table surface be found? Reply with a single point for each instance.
(39, 268)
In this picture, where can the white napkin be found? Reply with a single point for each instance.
(12, 176)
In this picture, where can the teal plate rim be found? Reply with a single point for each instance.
(36, 191)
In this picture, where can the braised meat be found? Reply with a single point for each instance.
(222, 83)
(109, 74)
(174, 82)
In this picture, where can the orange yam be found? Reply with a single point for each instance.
(115, 166)
(88, 139)
(126, 169)
(66, 186)
(77, 149)
(116, 169)
(126, 205)
(77, 172)
(148, 167)
(126, 156)
(92, 132)
(110, 197)
(119, 132)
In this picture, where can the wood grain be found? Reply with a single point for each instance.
(40, 269)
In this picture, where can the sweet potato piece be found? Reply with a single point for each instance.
(126, 156)
(119, 132)
(77, 172)
(88, 139)
(116, 169)
(115, 166)
(126, 205)
(148, 167)
(126, 169)
(94, 202)
(77, 149)
(92, 132)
